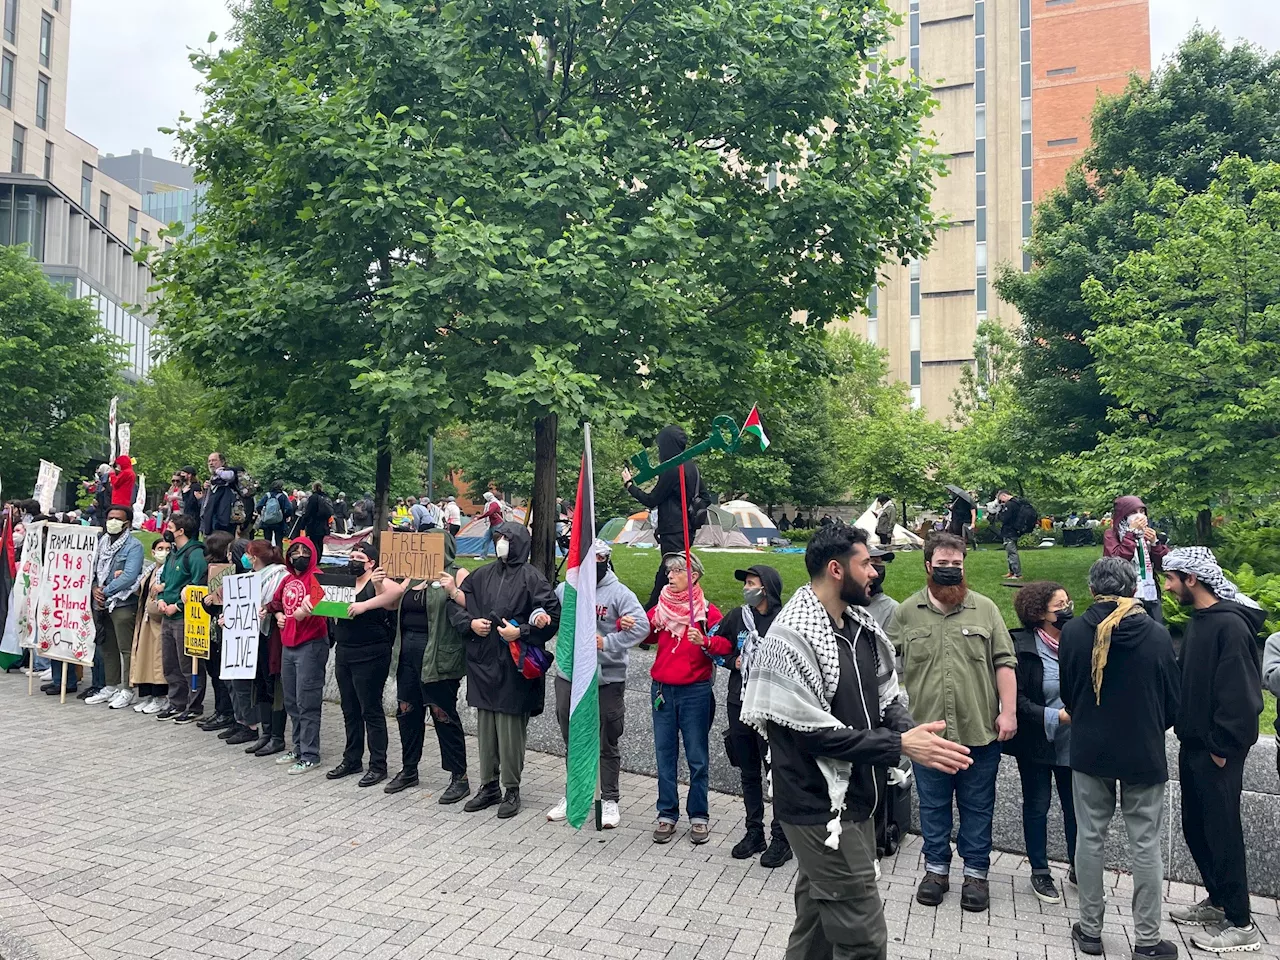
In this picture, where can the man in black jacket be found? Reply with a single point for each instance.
(1120, 690)
(1221, 702)
(666, 499)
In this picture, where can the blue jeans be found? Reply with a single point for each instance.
(975, 793)
(1037, 783)
(684, 714)
(98, 676)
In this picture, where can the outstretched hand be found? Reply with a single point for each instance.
(923, 745)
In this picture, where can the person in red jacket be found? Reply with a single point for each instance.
(123, 481)
(1130, 538)
(682, 695)
(305, 641)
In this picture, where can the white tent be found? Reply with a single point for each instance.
(754, 522)
(903, 538)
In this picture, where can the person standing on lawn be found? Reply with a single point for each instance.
(886, 520)
(960, 667)
(1119, 688)
(1131, 538)
(1218, 723)
(821, 687)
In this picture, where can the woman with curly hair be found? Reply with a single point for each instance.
(1043, 742)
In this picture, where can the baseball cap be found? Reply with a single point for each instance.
(879, 553)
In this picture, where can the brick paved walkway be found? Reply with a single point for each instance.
(127, 838)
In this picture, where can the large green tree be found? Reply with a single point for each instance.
(554, 210)
(58, 371)
(1207, 102)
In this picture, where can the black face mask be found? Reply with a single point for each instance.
(355, 568)
(602, 571)
(168, 536)
(877, 585)
(1061, 618)
(300, 564)
(947, 576)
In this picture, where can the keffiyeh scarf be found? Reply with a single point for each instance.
(795, 670)
(672, 612)
(1201, 563)
(106, 552)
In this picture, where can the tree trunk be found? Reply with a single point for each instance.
(545, 431)
(381, 486)
(1204, 527)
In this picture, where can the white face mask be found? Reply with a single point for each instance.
(502, 549)
(115, 527)
(1132, 519)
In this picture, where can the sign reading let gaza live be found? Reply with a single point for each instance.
(241, 597)
(418, 556)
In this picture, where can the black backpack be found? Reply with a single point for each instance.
(699, 506)
(1026, 519)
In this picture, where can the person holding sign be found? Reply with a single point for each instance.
(117, 574)
(186, 567)
(267, 563)
(362, 660)
(305, 653)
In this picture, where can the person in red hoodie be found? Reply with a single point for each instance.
(123, 481)
(682, 696)
(305, 641)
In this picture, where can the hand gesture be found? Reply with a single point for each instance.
(923, 745)
(509, 632)
(378, 575)
(447, 584)
(481, 628)
(1140, 522)
(1149, 535)
(541, 619)
(1006, 726)
(222, 619)
(696, 637)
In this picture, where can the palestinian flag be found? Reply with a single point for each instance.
(576, 648)
(754, 427)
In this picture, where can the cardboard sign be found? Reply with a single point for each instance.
(339, 593)
(26, 589)
(241, 597)
(47, 485)
(217, 573)
(418, 556)
(125, 432)
(64, 616)
(195, 635)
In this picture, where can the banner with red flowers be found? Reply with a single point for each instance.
(64, 615)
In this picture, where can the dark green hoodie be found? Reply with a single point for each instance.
(445, 657)
(185, 567)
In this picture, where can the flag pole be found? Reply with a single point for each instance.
(688, 556)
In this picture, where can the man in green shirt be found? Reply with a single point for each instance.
(958, 664)
(185, 567)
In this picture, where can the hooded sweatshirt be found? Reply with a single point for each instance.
(734, 629)
(1221, 680)
(185, 567)
(291, 594)
(665, 495)
(122, 483)
(1121, 737)
(1125, 546)
(613, 602)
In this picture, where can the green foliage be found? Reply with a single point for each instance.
(58, 371)
(1245, 542)
(1264, 588)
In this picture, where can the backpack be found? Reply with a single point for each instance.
(1026, 519)
(699, 506)
(508, 514)
(237, 510)
(272, 512)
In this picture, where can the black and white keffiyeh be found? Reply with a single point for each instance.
(1203, 565)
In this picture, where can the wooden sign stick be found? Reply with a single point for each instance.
(65, 668)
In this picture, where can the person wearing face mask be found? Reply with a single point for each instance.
(267, 563)
(186, 567)
(821, 687)
(882, 606)
(117, 574)
(1042, 745)
(362, 660)
(123, 480)
(499, 602)
(217, 547)
(146, 663)
(1130, 538)
(305, 653)
(743, 627)
(960, 668)
(620, 625)
(244, 728)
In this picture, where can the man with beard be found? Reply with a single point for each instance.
(959, 667)
(822, 689)
(1217, 724)
(882, 606)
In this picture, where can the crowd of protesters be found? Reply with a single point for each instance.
(828, 693)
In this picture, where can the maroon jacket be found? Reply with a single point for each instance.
(1125, 547)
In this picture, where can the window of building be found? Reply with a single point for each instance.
(19, 155)
(1060, 72)
(42, 102)
(133, 225)
(873, 317)
(48, 159)
(46, 40)
(913, 332)
(915, 37)
(22, 216)
(104, 208)
(57, 5)
(86, 185)
(980, 149)
(11, 20)
(7, 70)
(146, 237)
(1024, 37)
(1063, 142)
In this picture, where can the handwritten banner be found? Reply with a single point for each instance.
(47, 485)
(195, 634)
(339, 593)
(64, 617)
(125, 432)
(418, 556)
(241, 597)
(26, 589)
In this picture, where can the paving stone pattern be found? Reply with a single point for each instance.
(128, 838)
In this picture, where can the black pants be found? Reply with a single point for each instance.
(748, 752)
(222, 704)
(360, 684)
(1211, 825)
(273, 533)
(441, 697)
(666, 544)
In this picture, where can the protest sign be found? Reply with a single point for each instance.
(339, 593)
(26, 589)
(241, 597)
(195, 635)
(125, 433)
(47, 485)
(217, 573)
(64, 615)
(418, 556)
(111, 426)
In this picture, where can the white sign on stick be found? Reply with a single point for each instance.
(241, 596)
(64, 615)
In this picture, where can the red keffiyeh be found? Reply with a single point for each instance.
(672, 612)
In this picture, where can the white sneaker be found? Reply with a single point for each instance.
(46, 674)
(122, 699)
(559, 811)
(156, 705)
(141, 705)
(103, 695)
(609, 816)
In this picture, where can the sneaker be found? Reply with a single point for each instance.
(510, 805)
(1164, 950)
(699, 833)
(779, 852)
(610, 818)
(123, 698)
(459, 787)
(664, 832)
(489, 796)
(1202, 914)
(1045, 889)
(86, 693)
(168, 713)
(933, 888)
(975, 896)
(186, 716)
(289, 758)
(141, 705)
(46, 674)
(749, 846)
(243, 735)
(157, 705)
(102, 696)
(1225, 937)
(560, 811)
(1086, 943)
(302, 766)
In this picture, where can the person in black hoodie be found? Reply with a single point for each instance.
(1120, 688)
(499, 601)
(746, 749)
(665, 498)
(1221, 702)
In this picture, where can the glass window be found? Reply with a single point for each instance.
(982, 189)
(980, 154)
(146, 237)
(915, 368)
(104, 208)
(48, 159)
(1024, 14)
(980, 121)
(980, 53)
(46, 39)
(981, 224)
(981, 255)
(1026, 219)
(873, 332)
(1026, 184)
(86, 185)
(42, 102)
(873, 302)
(7, 69)
(915, 268)
(980, 86)
(1026, 150)
(1026, 115)
(915, 60)
(917, 398)
(133, 225)
(1025, 41)
(28, 222)
(11, 20)
(982, 294)
(915, 298)
(913, 334)
(19, 148)
(1026, 80)
(915, 29)
(1026, 262)
(979, 17)
(6, 216)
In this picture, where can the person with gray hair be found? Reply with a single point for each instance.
(1118, 673)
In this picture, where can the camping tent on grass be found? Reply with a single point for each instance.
(721, 531)
(754, 522)
(610, 530)
(474, 534)
(635, 528)
(903, 539)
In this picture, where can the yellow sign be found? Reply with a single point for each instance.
(195, 635)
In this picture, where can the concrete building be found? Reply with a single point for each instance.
(1016, 81)
(81, 224)
(168, 188)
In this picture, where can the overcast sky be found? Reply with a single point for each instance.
(130, 73)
